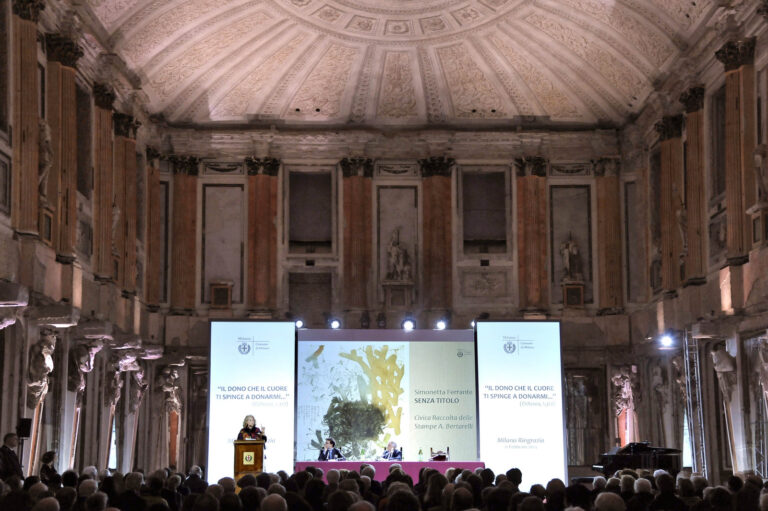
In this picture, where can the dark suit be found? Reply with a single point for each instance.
(331, 454)
(9, 463)
(395, 455)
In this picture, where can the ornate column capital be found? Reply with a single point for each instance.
(356, 167)
(267, 166)
(670, 126)
(103, 96)
(62, 49)
(531, 166)
(28, 9)
(735, 54)
(436, 166)
(693, 99)
(605, 167)
(763, 9)
(152, 154)
(125, 125)
(187, 165)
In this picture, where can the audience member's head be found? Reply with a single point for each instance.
(96, 502)
(515, 475)
(250, 498)
(215, 490)
(531, 504)
(276, 488)
(403, 501)
(462, 499)
(734, 483)
(87, 488)
(643, 485)
(133, 481)
(608, 501)
(230, 502)
(577, 495)
(47, 504)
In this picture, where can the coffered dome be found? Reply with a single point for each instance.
(399, 62)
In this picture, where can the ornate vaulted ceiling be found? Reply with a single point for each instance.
(399, 62)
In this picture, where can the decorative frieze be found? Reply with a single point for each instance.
(187, 165)
(531, 166)
(62, 49)
(670, 126)
(28, 9)
(735, 54)
(357, 167)
(103, 96)
(267, 166)
(125, 125)
(693, 99)
(436, 166)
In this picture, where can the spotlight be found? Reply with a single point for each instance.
(440, 325)
(666, 341)
(335, 324)
(472, 324)
(299, 323)
(408, 324)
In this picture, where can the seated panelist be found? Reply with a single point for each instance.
(392, 452)
(250, 431)
(329, 452)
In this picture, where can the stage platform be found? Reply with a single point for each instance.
(382, 467)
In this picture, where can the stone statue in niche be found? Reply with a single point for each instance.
(572, 264)
(664, 405)
(40, 366)
(681, 214)
(398, 260)
(81, 358)
(761, 173)
(578, 410)
(655, 270)
(678, 366)
(45, 162)
(626, 393)
(763, 366)
(115, 223)
(168, 381)
(725, 367)
(122, 360)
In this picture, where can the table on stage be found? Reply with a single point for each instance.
(382, 467)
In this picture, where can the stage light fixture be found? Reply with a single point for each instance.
(472, 324)
(335, 324)
(408, 324)
(666, 341)
(441, 324)
(299, 323)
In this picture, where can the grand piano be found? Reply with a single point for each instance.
(640, 455)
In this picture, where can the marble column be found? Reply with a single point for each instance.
(61, 100)
(26, 115)
(672, 205)
(695, 198)
(125, 197)
(184, 232)
(437, 272)
(358, 231)
(609, 251)
(154, 285)
(262, 233)
(532, 233)
(740, 139)
(104, 212)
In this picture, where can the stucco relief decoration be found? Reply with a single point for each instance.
(398, 96)
(531, 166)
(328, 13)
(484, 284)
(653, 46)
(471, 91)
(256, 166)
(110, 11)
(618, 74)
(40, 366)
(361, 24)
(432, 24)
(171, 76)
(321, 92)
(725, 367)
(139, 386)
(236, 101)
(554, 101)
(81, 358)
(120, 361)
(45, 162)
(466, 15)
(397, 27)
(141, 45)
(399, 267)
(685, 13)
(361, 167)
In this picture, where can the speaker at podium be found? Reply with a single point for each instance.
(249, 457)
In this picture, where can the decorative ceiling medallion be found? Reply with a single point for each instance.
(362, 24)
(466, 15)
(398, 27)
(432, 24)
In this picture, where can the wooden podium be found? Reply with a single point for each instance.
(249, 457)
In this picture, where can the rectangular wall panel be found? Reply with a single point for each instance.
(223, 240)
(397, 223)
(571, 219)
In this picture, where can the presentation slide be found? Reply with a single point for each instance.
(365, 388)
(252, 373)
(520, 399)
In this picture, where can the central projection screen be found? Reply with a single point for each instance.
(493, 395)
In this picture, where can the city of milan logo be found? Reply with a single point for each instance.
(244, 348)
(510, 347)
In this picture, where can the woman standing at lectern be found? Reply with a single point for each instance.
(250, 431)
